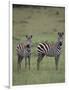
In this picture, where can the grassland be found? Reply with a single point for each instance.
(43, 23)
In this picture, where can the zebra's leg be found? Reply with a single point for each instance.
(56, 61)
(29, 61)
(40, 57)
(38, 62)
(19, 62)
(25, 62)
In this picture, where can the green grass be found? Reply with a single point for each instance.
(43, 24)
(46, 74)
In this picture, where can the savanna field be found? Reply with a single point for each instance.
(43, 23)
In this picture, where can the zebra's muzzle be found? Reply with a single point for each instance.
(60, 43)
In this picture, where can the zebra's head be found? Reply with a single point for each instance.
(29, 40)
(60, 38)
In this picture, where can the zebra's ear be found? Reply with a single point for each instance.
(31, 36)
(26, 36)
(58, 33)
(62, 33)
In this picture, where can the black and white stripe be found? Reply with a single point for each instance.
(50, 49)
(43, 48)
(19, 47)
(23, 50)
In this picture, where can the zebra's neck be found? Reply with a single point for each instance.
(58, 46)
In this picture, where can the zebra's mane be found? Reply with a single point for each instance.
(50, 43)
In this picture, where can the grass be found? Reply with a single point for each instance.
(46, 74)
(43, 24)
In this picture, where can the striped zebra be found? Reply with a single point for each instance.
(50, 50)
(24, 51)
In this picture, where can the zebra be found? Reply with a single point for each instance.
(50, 50)
(23, 50)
